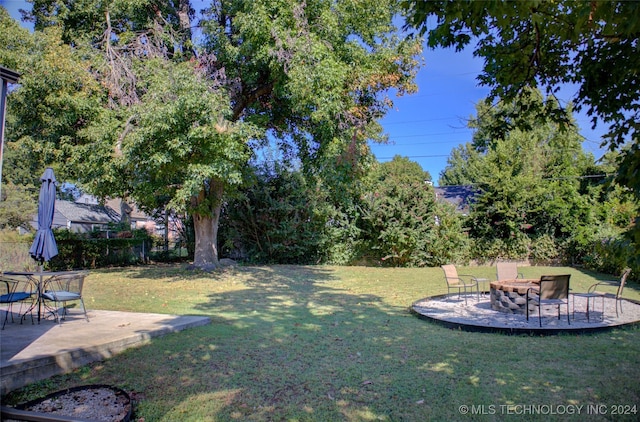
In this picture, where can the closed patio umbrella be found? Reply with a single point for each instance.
(44, 245)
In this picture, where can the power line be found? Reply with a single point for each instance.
(414, 156)
(428, 134)
(393, 144)
(419, 121)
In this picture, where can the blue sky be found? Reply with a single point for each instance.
(427, 125)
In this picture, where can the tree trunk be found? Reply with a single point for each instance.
(205, 226)
(166, 229)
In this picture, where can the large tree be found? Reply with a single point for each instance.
(535, 184)
(592, 44)
(182, 114)
(56, 97)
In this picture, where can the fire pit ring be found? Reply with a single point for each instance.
(92, 402)
(510, 296)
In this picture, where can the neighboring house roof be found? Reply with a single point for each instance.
(118, 205)
(460, 196)
(134, 213)
(87, 213)
(67, 212)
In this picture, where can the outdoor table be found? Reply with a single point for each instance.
(484, 284)
(39, 279)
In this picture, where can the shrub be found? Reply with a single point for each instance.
(544, 250)
(89, 250)
(341, 243)
(278, 219)
(450, 243)
(399, 223)
(491, 249)
(611, 253)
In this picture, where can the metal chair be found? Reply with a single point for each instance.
(553, 290)
(18, 290)
(507, 271)
(454, 281)
(64, 288)
(592, 293)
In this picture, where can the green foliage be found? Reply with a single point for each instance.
(401, 170)
(17, 206)
(463, 166)
(279, 219)
(396, 223)
(80, 250)
(57, 96)
(145, 113)
(176, 142)
(592, 44)
(604, 248)
(450, 242)
(488, 249)
(398, 220)
(342, 242)
(611, 253)
(15, 38)
(286, 217)
(544, 250)
(529, 174)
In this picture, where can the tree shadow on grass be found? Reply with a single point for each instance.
(171, 272)
(296, 343)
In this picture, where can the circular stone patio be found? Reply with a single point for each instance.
(451, 312)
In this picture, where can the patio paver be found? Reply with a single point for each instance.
(451, 312)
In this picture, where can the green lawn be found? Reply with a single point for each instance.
(339, 344)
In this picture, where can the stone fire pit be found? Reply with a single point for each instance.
(510, 296)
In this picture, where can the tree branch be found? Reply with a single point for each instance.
(246, 100)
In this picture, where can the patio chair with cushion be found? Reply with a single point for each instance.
(18, 290)
(553, 290)
(456, 282)
(507, 271)
(592, 293)
(64, 288)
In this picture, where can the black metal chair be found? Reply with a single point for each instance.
(64, 288)
(18, 290)
(553, 290)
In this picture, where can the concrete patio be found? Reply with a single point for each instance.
(32, 352)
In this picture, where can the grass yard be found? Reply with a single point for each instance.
(320, 343)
